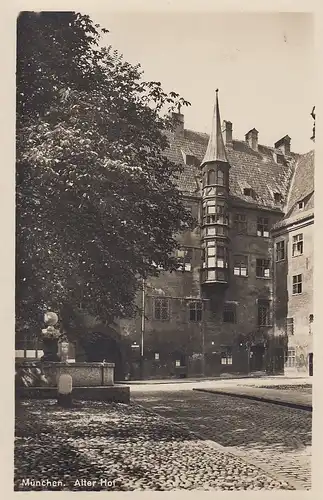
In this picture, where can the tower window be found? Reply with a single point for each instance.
(211, 177)
(220, 177)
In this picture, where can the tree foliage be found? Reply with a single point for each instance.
(97, 205)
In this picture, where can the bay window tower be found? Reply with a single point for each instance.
(215, 206)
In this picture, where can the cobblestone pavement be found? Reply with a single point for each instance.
(275, 437)
(306, 388)
(101, 446)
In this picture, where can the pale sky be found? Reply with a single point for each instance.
(263, 65)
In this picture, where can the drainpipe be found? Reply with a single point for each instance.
(143, 303)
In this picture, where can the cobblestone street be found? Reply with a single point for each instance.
(274, 437)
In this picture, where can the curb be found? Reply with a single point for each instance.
(263, 399)
(295, 485)
(201, 379)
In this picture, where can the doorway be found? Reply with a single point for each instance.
(310, 364)
(257, 358)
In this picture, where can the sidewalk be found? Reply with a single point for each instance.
(224, 377)
(292, 399)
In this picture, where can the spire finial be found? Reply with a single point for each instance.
(215, 149)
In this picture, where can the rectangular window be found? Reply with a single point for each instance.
(226, 355)
(185, 257)
(297, 245)
(290, 326)
(240, 266)
(211, 275)
(280, 250)
(161, 309)
(211, 262)
(290, 358)
(210, 231)
(240, 223)
(229, 313)
(297, 284)
(263, 312)
(196, 311)
(210, 207)
(263, 227)
(156, 356)
(262, 268)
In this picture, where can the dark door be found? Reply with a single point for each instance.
(310, 364)
(257, 358)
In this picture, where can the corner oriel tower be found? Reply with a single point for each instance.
(215, 198)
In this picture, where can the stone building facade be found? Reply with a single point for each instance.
(227, 308)
(293, 238)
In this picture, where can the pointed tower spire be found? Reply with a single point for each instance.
(215, 149)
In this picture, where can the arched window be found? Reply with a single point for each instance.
(211, 177)
(220, 177)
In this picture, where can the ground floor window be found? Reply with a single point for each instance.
(226, 356)
(29, 347)
(290, 358)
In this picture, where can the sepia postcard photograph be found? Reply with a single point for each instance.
(164, 250)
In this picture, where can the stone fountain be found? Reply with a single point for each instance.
(91, 380)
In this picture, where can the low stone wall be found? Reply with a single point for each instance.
(115, 393)
(83, 374)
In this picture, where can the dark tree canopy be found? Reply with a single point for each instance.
(97, 206)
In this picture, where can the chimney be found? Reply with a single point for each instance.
(178, 119)
(227, 132)
(284, 145)
(252, 139)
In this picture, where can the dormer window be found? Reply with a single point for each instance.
(278, 197)
(301, 205)
(249, 192)
(280, 159)
(191, 160)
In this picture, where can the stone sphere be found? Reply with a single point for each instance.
(50, 318)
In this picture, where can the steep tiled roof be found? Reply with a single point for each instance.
(257, 169)
(303, 181)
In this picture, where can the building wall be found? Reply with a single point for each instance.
(296, 307)
(179, 337)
